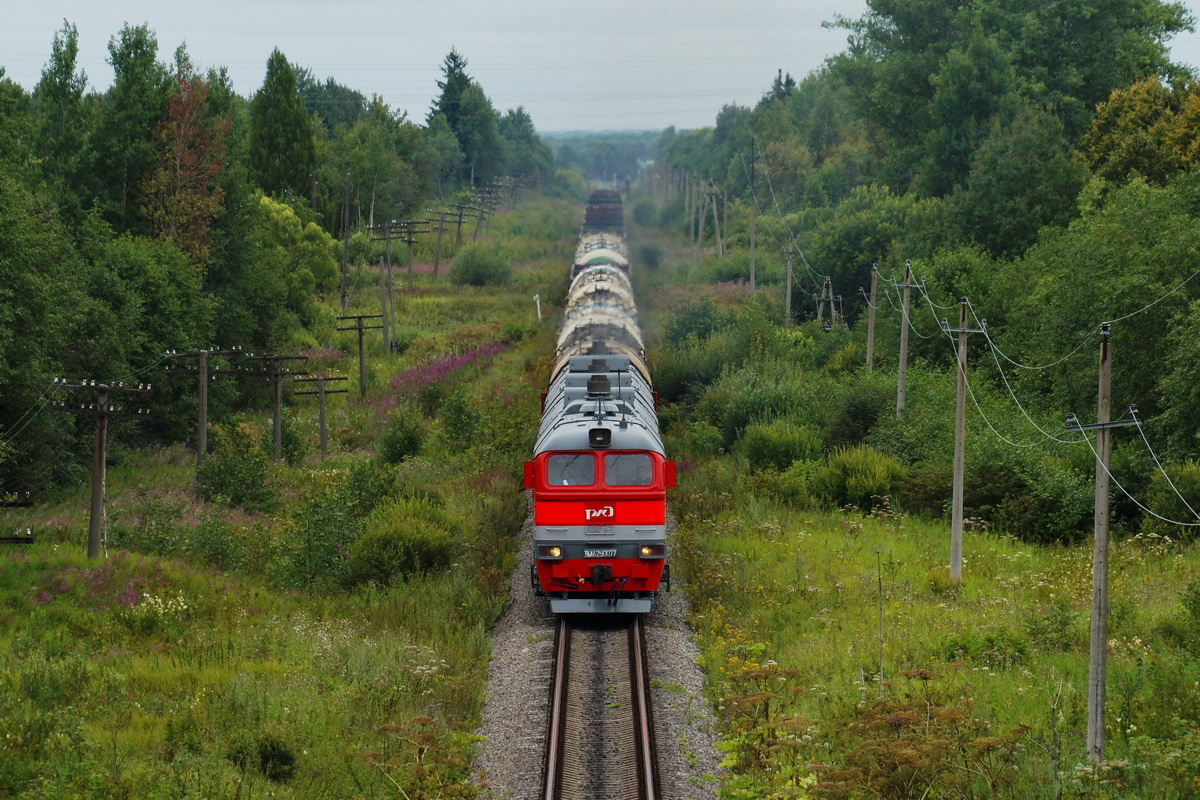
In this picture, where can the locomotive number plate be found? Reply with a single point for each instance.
(606, 553)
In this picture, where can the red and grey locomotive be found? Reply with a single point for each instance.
(599, 475)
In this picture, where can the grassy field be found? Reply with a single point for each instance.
(304, 629)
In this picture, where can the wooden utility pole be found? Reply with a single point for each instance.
(202, 370)
(321, 391)
(699, 207)
(1098, 670)
(362, 360)
(460, 210)
(409, 230)
(273, 368)
(101, 410)
(902, 372)
(441, 218)
(385, 308)
(960, 440)
(753, 213)
(871, 318)
(346, 244)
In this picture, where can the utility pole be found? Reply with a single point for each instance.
(362, 360)
(202, 370)
(410, 229)
(753, 212)
(460, 210)
(960, 439)
(699, 207)
(712, 190)
(441, 218)
(321, 391)
(787, 300)
(273, 368)
(826, 297)
(871, 318)
(1098, 669)
(902, 373)
(101, 410)
(346, 244)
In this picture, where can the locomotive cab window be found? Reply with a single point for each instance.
(571, 469)
(628, 469)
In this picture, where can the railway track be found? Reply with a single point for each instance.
(601, 740)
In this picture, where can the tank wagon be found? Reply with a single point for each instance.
(599, 474)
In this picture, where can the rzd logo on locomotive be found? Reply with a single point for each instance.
(594, 513)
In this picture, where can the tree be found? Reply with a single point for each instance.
(63, 123)
(528, 154)
(479, 133)
(183, 196)
(330, 102)
(127, 140)
(282, 143)
(454, 83)
(440, 158)
(1023, 177)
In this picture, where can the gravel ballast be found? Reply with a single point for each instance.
(508, 763)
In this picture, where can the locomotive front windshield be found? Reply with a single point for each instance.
(571, 469)
(628, 469)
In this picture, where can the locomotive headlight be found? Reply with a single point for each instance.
(599, 437)
(652, 551)
(556, 552)
(549, 551)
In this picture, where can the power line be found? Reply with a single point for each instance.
(1157, 463)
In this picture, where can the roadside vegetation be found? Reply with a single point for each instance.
(304, 628)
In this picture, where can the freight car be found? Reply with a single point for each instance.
(599, 474)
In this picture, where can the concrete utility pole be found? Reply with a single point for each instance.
(101, 410)
(273, 368)
(902, 373)
(346, 244)
(871, 318)
(1098, 670)
(204, 373)
(321, 391)
(960, 439)
(753, 213)
(362, 360)
(826, 297)
(787, 291)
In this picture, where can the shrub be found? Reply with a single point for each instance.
(459, 420)
(236, 471)
(403, 437)
(480, 264)
(1165, 502)
(855, 475)
(399, 549)
(778, 444)
(645, 213)
(267, 753)
(1000, 650)
(651, 254)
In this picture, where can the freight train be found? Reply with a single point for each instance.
(599, 474)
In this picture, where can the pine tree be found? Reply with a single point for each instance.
(283, 149)
(454, 71)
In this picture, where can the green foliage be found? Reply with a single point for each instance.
(650, 255)
(460, 421)
(281, 141)
(480, 264)
(776, 445)
(268, 753)
(1000, 649)
(237, 470)
(397, 548)
(645, 212)
(858, 476)
(1174, 502)
(404, 435)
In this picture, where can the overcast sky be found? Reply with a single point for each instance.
(617, 64)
